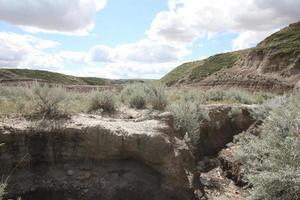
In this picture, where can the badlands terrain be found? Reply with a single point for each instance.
(223, 128)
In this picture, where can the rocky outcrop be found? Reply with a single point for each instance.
(225, 122)
(231, 167)
(90, 157)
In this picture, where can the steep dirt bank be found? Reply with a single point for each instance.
(225, 122)
(137, 157)
(90, 157)
(221, 175)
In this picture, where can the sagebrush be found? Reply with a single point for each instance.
(188, 115)
(271, 160)
(102, 101)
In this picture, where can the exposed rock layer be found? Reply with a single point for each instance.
(225, 122)
(90, 157)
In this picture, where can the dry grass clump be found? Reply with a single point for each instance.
(103, 102)
(272, 159)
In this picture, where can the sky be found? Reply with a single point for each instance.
(123, 39)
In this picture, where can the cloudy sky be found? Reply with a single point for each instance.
(132, 38)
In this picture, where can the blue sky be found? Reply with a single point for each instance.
(131, 38)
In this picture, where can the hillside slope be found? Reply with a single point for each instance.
(52, 77)
(17, 75)
(274, 64)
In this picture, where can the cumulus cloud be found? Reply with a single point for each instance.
(135, 60)
(15, 49)
(60, 16)
(249, 39)
(169, 39)
(129, 70)
(143, 51)
(187, 20)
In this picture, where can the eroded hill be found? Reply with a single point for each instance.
(274, 64)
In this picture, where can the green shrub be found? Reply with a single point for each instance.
(263, 110)
(272, 159)
(46, 102)
(37, 101)
(103, 101)
(137, 102)
(156, 96)
(188, 115)
(134, 95)
(12, 100)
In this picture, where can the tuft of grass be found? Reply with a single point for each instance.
(103, 101)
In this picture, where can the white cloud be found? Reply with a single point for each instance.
(187, 20)
(15, 49)
(249, 39)
(165, 45)
(129, 70)
(58, 16)
(142, 51)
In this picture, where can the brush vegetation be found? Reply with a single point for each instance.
(103, 102)
(53, 102)
(272, 159)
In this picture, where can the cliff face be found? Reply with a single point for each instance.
(132, 158)
(89, 157)
(273, 65)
